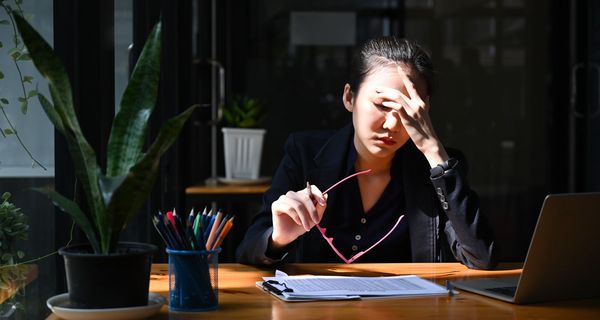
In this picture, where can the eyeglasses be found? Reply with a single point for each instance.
(330, 239)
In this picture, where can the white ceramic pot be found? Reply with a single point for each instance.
(243, 151)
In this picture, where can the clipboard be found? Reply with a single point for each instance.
(323, 288)
(267, 287)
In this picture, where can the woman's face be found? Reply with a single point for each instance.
(379, 132)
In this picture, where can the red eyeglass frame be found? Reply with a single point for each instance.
(330, 239)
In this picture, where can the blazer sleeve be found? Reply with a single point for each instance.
(288, 176)
(467, 230)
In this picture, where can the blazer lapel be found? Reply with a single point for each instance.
(420, 209)
(329, 165)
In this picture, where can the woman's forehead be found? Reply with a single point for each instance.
(388, 76)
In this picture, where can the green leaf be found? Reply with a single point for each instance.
(82, 154)
(71, 208)
(128, 133)
(108, 185)
(24, 57)
(12, 50)
(1, 44)
(15, 55)
(32, 93)
(242, 112)
(21, 99)
(1, 75)
(6, 22)
(8, 131)
(4, 100)
(129, 197)
(52, 114)
(47, 63)
(27, 79)
(84, 160)
(23, 106)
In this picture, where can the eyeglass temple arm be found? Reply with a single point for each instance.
(346, 178)
(330, 242)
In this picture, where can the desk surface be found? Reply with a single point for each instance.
(240, 299)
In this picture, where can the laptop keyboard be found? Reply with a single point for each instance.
(508, 291)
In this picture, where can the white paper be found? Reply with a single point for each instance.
(335, 287)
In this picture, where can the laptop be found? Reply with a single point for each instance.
(563, 260)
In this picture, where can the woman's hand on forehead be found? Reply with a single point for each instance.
(414, 114)
(390, 97)
(396, 99)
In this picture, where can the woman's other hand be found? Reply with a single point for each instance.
(295, 213)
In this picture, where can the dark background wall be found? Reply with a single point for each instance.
(505, 89)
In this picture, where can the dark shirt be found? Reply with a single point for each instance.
(355, 230)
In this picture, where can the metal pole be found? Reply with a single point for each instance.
(214, 104)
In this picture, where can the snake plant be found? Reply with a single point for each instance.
(114, 195)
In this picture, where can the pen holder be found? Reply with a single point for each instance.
(193, 280)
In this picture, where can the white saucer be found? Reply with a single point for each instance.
(242, 181)
(58, 305)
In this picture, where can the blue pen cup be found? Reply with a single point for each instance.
(193, 280)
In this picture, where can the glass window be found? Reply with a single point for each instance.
(31, 124)
(18, 172)
(123, 41)
(490, 106)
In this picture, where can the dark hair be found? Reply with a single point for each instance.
(384, 50)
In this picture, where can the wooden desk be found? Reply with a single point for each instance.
(240, 299)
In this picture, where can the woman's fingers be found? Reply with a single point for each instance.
(315, 202)
(306, 202)
(284, 206)
(321, 208)
(393, 95)
(300, 204)
(319, 201)
(395, 105)
(305, 208)
(390, 94)
(318, 195)
(408, 84)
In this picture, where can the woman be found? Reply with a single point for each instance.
(413, 205)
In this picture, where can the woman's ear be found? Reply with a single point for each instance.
(348, 97)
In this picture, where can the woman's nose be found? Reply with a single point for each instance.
(392, 121)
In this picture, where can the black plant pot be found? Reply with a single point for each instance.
(97, 281)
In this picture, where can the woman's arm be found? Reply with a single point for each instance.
(467, 230)
(253, 247)
(285, 215)
(469, 235)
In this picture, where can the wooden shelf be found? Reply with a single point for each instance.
(227, 189)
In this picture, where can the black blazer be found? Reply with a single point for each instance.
(458, 232)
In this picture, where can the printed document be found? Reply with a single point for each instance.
(308, 287)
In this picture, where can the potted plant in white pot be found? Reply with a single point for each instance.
(242, 139)
(107, 273)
